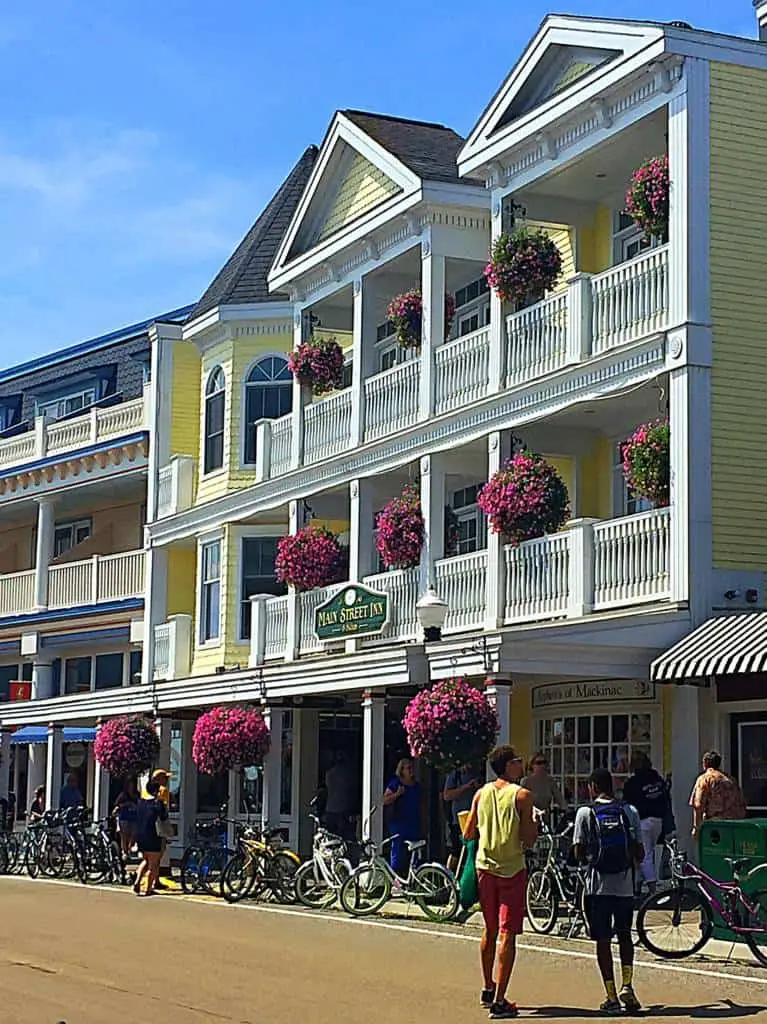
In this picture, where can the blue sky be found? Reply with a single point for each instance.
(138, 141)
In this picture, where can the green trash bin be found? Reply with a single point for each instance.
(719, 841)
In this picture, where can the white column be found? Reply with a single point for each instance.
(46, 528)
(188, 791)
(498, 451)
(42, 682)
(685, 757)
(263, 450)
(257, 630)
(5, 763)
(433, 509)
(499, 695)
(53, 774)
(155, 605)
(579, 318)
(272, 780)
(433, 323)
(497, 355)
(299, 400)
(295, 522)
(580, 600)
(17, 780)
(359, 368)
(162, 727)
(100, 789)
(373, 719)
(36, 759)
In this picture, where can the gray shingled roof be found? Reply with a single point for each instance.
(242, 279)
(428, 150)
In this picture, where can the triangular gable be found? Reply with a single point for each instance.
(563, 58)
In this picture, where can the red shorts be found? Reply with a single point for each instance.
(502, 901)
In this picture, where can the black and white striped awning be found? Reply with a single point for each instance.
(725, 646)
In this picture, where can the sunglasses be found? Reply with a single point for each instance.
(540, 764)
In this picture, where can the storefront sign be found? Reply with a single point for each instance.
(591, 692)
(19, 690)
(352, 611)
(74, 755)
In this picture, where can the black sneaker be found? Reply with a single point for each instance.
(503, 1011)
(611, 1008)
(486, 997)
(627, 996)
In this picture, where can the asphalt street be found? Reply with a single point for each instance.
(91, 956)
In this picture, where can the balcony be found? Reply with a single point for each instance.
(592, 566)
(175, 486)
(101, 579)
(173, 648)
(46, 439)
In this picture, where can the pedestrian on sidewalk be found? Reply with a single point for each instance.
(460, 787)
(606, 839)
(546, 793)
(124, 811)
(645, 791)
(502, 820)
(403, 798)
(151, 810)
(715, 794)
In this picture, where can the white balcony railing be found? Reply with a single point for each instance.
(462, 370)
(276, 627)
(282, 437)
(175, 486)
(402, 587)
(630, 300)
(307, 605)
(96, 580)
(537, 579)
(173, 648)
(462, 582)
(536, 340)
(391, 399)
(631, 559)
(17, 592)
(328, 426)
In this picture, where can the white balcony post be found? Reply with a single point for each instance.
(100, 788)
(433, 510)
(5, 764)
(46, 528)
(579, 325)
(361, 537)
(53, 768)
(294, 626)
(36, 761)
(432, 324)
(155, 606)
(373, 745)
(299, 400)
(41, 437)
(94, 424)
(498, 692)
(498, 451)
(496, 359)
(263, 450)
(258, 613)
(271, 795)
(94, 579)
(358, 362)
(580, 600)
(180, 645)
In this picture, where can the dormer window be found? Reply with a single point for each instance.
(67, 405)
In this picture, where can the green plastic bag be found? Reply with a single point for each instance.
(467, 884)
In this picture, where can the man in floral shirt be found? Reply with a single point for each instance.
(715, 795)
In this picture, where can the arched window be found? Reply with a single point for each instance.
(215, 402)
(268, 395)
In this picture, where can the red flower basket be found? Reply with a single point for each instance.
(647, 462)
(647, 200)
(311, 558)
(525, 499)
(319, 365)
(450, 724)
(126, 746)
(227, 738)
(400, 530)
(405, 312)
(523, 263)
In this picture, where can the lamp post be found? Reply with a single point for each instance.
(431, 612)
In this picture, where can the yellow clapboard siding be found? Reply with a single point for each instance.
(361, 187)
(596, 474)
(521, 724)
(738, 218)
(182, 566)
(185, 396)
(563, 239)
(594, 243)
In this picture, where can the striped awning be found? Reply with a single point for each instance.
(725, 646)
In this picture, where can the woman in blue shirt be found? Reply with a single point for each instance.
(403, 798)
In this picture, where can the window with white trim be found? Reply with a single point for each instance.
(472, 307)
(257, 576)
(471, 521)
(628, 239)
(68, 535)
(210, 591)
(625, 501)
(268, 396)
(215, 407)
(67, 405)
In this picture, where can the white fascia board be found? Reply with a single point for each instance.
(471, 197)
(342, 130)
(749, 53)
(240, 311)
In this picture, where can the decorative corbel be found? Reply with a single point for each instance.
(374, 253)
(549, 145)
(414, 225)
(602, 111)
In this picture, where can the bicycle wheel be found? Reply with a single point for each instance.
(757, 940)
(190, 870)
(283, 867)
(95, 861)
(4, 858)
(436, 892)
(212, 864)
(541, 902)
(674, 924)
(311, 888)
(15, 863)
(32, 860)
(365, 890)
(57, 860)
(238, 878)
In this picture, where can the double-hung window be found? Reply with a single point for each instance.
(257, 575)
(215, 406)
(210, 591)
(67, 405)
(69, 535)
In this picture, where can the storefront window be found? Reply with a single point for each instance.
(286, 790)
(176, 765)
(577, 744)
(212, 792)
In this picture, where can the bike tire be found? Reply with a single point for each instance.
(95, 861)
(674, 908)
(191, 882)
(32, 861)
(212, 865)
(15, 863)
(368, 882)
(757, 941)
(4, 858)
(541, 902)
(439, 898)
(311, 888)
(284, 865)
(238, 878)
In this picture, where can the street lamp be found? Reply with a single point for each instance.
(431, 611)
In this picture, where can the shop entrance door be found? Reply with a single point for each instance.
(749, 759)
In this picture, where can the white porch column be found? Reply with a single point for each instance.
(188, 791)
(272, 779)
(499, 694)
(162, 727)
(433, 323)
(579, 324)
(685, 758)
(42, 681)
(580, 599)
(300, 398)
(100, 789)
(5, 763)
(155, 605)
(17, 780)
(373, 719)
(433, 509)
(36, 760)
(295, 522)
(498, 451)
(46, 528)
(362, 552)
(497, 355)
(53, 774)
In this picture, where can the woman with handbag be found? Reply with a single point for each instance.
(151, 831)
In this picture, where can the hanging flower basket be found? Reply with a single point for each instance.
(450, 724)
(126, 746)
(647, 200)
(400, 530)
(311, 558)
(525, 499)
(646, 462)
(227, 738)
(405, 312)
(318, 364)
(523, 263)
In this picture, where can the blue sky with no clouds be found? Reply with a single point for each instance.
(138, 141)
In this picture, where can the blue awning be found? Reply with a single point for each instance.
(39, 734)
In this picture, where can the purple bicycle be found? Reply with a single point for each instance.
(679, 921)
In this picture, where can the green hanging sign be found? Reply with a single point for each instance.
(353, 611)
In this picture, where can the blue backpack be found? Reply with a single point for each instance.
(614, 843)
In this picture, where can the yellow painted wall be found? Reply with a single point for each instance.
(522, 720)
(185, 397)
(182, 567)
(566, 467)
(16, 550)
(596, 481)
(113, 529)
(594, 243)
(361, 187)
(564, 240)
(738, 243)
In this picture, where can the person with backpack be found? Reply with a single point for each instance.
(606, 839)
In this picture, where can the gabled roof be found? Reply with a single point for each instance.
(242, 279)
(427, 149)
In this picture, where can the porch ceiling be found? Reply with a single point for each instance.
(616, 413)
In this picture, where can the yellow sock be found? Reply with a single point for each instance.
(611, 991)
(627, 971)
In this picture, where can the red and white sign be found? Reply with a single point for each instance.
(20, 690)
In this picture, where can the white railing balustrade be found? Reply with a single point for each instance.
(17, 450)
(276, 627)
(175, 486)
(173, 648)
(17, 592)
(391, 399)
(630, 300)
(328, 426)
(631, 559)
(116, 420)
(97, 580)
(165, 491)
(536, 340)
(282, 437)
(162, 656)
(308, 603)
(401, 586)
(462, 582)
(462, 370)
(120, 576)
(537, 579)
(68, 434)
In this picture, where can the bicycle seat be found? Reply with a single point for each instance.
(738, 864)
(415, 844)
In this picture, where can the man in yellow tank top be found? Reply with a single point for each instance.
(502, 820)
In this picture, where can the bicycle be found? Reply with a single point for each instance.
(318, 881)
(206, 856)
(104, 858)
(686, 912)
(260, 865)
(430, 886)
(555, 882)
